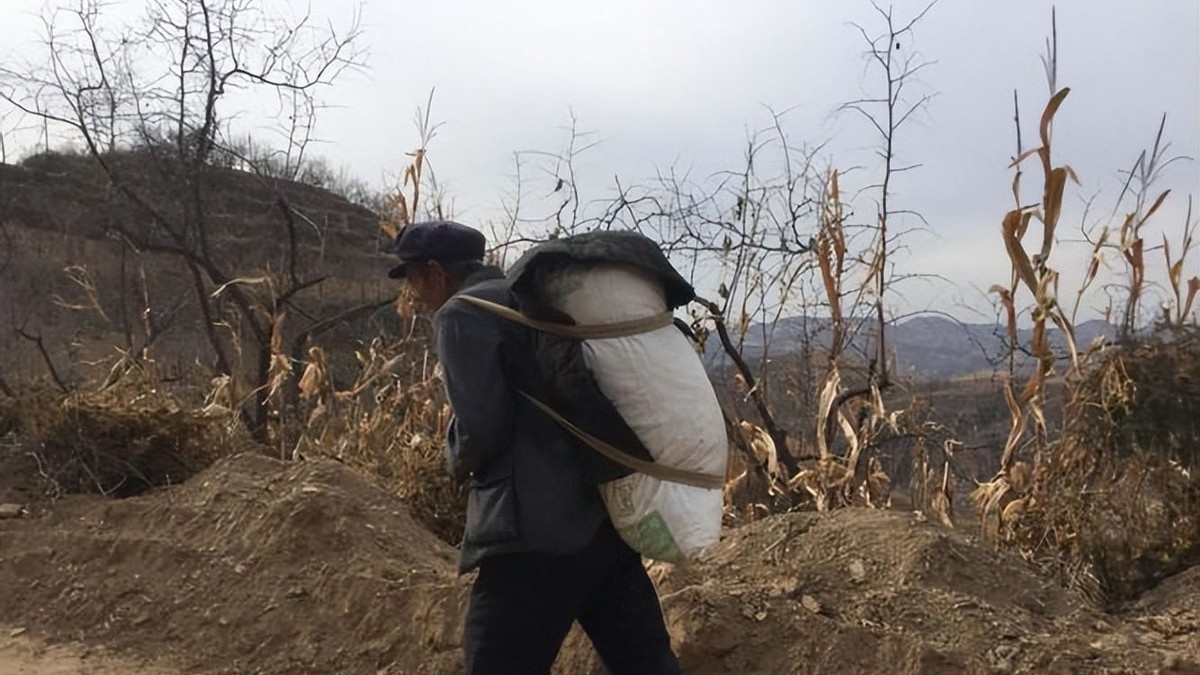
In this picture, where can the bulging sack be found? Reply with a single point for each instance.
(657, 382)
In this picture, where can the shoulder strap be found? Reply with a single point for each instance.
(593, 332)
(654, 469)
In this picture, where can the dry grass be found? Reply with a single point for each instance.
(1118, 496)
(120, 440)
(1113, 504)
(132, 436)
(390, 424)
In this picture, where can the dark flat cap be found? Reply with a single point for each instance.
(440, 240)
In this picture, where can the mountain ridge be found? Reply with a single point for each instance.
(926, 346)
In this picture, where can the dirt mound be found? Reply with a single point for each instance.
(862, 591)
(256, 565)
(252, 566)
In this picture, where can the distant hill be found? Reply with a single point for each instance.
(927, 347)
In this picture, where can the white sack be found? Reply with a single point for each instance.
(658, 384)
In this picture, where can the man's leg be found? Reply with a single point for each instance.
(522, 606)
(623, 619)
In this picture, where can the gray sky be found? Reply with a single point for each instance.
(684, 82)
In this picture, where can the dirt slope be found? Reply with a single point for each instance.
(259, 566)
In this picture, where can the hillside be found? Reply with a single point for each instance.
(68, 277)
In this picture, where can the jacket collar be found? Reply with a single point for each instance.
(485, 273)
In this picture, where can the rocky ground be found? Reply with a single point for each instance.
(261, 566)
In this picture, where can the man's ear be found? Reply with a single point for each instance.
(437, 271)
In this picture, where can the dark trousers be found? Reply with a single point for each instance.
(523, 604)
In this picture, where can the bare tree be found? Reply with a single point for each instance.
(892, 55)
(3, 136)
(855, 283)
(172, 86)
(750, 238)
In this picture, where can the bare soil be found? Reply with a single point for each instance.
(20, 655)
(261, 566)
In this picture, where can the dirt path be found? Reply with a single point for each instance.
(24, 655)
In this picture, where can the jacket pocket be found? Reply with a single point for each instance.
(492, 511)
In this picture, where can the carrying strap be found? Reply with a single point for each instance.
(593, 332)
(652, 469)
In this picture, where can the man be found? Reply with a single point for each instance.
(536, 527)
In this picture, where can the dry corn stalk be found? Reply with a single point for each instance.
(404, 208)
(837, 481)
(83, 279)
(388, 423)
(1183, 302)
(831, 255)
(280, 368)
(942, 501)
(1034, 274)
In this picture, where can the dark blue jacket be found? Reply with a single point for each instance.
(527, 488)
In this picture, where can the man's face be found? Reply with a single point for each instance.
(430, 283)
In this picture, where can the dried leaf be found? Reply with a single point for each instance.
(827, 278)
(763, 446)
(1097, 258)
(1157, 203)
(939, 504)
(1048, 115)
(418, 162)
(1022, 157)
(402, 216)
(824, 406)
(1174, 269)
(1016, 427)
(1069, 333)
(1010, 308)
(1193, 290)
(1056, 183)
(852, 440)
(1011, 227)
(314, 381)
(240, 281)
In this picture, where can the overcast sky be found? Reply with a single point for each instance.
(684, 82)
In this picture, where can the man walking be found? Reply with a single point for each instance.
(536, 528)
